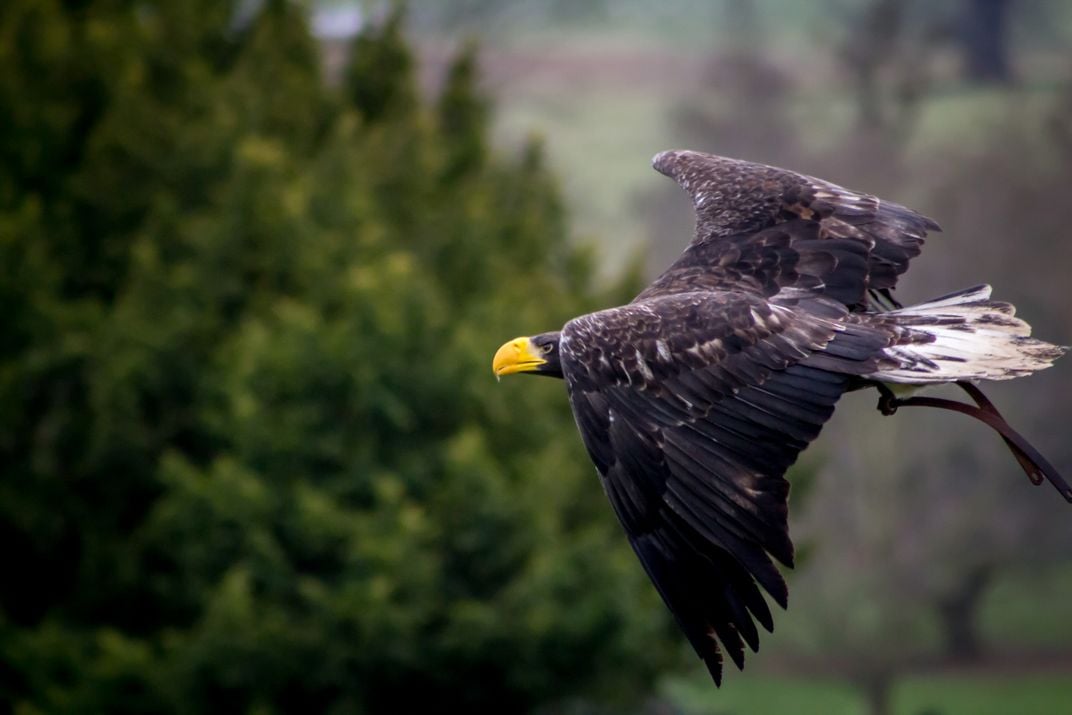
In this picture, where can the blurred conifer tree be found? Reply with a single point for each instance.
(253, 457)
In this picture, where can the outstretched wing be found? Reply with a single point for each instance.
(772, 231)
(692, 407)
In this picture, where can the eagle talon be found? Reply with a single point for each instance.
(887, 401)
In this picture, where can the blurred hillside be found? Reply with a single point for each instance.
(606, 82)
(254, 460)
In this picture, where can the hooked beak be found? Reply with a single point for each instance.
(518, 355)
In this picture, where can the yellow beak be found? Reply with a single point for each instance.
(518, 355)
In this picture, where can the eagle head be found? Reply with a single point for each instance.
(537, 354)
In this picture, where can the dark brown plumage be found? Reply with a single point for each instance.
(694, 399)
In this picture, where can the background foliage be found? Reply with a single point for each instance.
(254, 460)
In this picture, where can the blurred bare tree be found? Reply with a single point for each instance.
(886, 52)
(984, 32)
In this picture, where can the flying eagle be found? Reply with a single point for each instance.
(695, 398)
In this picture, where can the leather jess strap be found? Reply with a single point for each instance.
(1033, 463)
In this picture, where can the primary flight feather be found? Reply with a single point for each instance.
(695, 398)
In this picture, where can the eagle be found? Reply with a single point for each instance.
(695, 398)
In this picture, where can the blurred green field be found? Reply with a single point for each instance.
(1030, 609)
(917, 695)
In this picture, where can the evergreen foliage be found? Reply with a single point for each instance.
(253, 457)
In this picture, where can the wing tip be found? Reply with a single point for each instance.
(675, 162)
(664, 161)
(714, 667)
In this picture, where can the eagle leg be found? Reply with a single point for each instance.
(1033, 463)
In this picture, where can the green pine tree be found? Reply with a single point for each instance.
(254, 457)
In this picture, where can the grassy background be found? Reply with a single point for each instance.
(981, 694)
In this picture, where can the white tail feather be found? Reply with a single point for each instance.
(962, 336)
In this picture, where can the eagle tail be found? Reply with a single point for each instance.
(960, 336)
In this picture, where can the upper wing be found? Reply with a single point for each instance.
(764, 229)
(692, 407)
